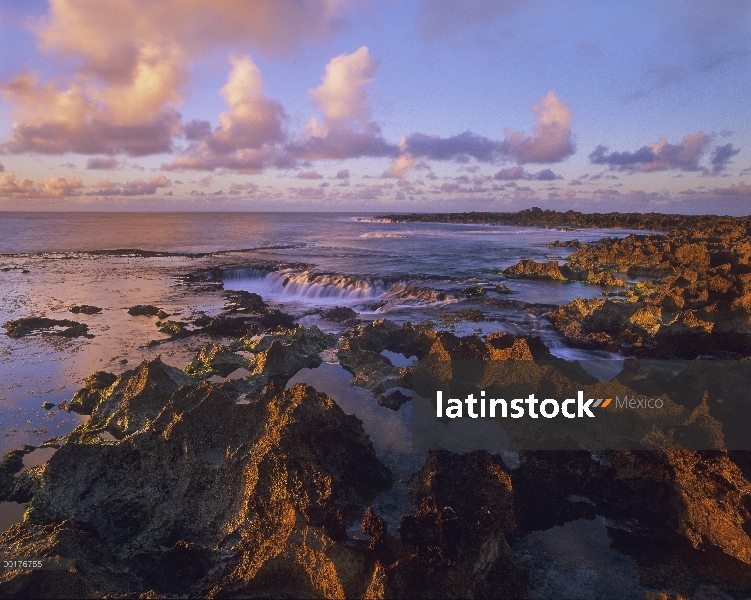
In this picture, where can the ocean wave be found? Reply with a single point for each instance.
(308, 287)
(385, 234)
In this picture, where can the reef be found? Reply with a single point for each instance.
(146, 310)
(530, 269)
(42, 325)
(86, 309)
(694, 298)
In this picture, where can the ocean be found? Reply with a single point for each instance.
(302, 263)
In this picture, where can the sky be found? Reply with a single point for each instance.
(377, 106)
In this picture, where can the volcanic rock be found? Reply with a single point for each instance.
(144, 310)
(86, 309)
(28, 325)
(88, 397)
(241, 497)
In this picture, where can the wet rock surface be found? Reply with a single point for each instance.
(697, 302)
(530, 269)
(240, 497)
(86, 309)
(177, 487)
(42, 325)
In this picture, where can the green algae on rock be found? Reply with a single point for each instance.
(86, 309)
(29, 325)
(86, 399)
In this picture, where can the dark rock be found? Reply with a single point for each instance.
(339, 314)
(144, 310)
(174, 329)
(215, 359)
(16, 489)
(133, 399)
(29, 325)
(473, 291)
(86, 309)
(457, 542)
(247, 302)
(471, 315)
(86, 399)
(48, 405)
(394, 400)
(360, 354)
(276, 319)
(211, 498)
(502, 288)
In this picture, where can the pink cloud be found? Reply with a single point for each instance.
(660, 156)
(309, 175)
(551, 140)
(132, 66)
(103, 164)
(56, 187)
(346, 130)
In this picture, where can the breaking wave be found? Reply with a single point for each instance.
(309, 287)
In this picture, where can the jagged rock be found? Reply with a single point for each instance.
(242, 301)
(98, 571)
(360, 354)
(133, 399)
(551, 270)
(457, 543)
(243, 494)
(17, 488)
(530, 268)
(502, 288)
(86, 309)
(48, 405)
(215, 359)
(172, 328)
(86, 399)
(29, 325)
(339, 314)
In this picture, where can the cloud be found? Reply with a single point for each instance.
(196, 130)
(309, 175)
(721, 156)
(550, 142)
(103, 164)
(62, 186)
(9, 186)
(516, 173)
(343, 174)
(510, 174)
(346, 130)
(740, 189)
(52, 120)
(243, 187)
(659, 156)
(2, 168)
(132, 65)
(400, 166)
(341, 96)
(253, 120)
(55, 187)
(139, 187)
(248, 132)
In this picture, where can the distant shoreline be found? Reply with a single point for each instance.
(550, 218)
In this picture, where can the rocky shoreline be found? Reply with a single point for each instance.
(187, 483)
(536, 217)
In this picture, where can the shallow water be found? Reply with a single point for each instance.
(404, 272)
